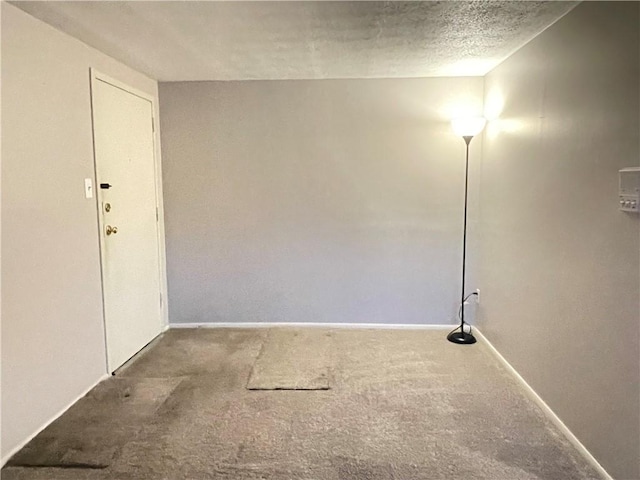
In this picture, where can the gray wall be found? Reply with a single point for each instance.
(559, 264)
(52, 328)
(315, 201)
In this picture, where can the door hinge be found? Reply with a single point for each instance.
(157, 215)
(153, 125)
(161, 299)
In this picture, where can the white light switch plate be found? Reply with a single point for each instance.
(88, 188)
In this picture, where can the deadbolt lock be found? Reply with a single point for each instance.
(107, 207)
(111, 230)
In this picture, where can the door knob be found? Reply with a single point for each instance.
(111, 230)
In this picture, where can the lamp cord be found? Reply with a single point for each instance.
(462, 324)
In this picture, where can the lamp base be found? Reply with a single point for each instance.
(461, 338)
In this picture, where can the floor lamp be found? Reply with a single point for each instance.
(467, 128)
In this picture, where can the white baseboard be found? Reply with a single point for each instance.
(379, 326)
(17, 448)
(545, 408)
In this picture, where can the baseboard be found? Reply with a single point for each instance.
(379, 326)
(545, 408)
(16, 449)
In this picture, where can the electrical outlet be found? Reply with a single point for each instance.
(477, 295)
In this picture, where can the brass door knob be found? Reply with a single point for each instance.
(111, 230)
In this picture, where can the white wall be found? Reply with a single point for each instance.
(52, 327)
(559, 263)
(333, 201)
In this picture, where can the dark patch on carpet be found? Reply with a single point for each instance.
(180, 353)
(69, 466)
(92, 432)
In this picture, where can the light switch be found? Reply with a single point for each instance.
(88, 188)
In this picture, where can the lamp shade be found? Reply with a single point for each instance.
(468, 126)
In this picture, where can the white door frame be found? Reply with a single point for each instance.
(96, 76)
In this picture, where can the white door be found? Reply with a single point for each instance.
(127, 204)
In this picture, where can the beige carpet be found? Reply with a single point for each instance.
(296, 359)
(402, 405)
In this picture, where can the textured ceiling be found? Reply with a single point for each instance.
(204, 40)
